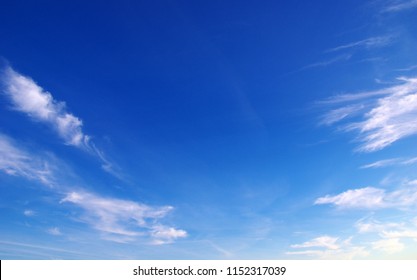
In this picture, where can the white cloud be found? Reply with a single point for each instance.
(325, 63)
(390, 246)
(29, 213)
(373, 198)
(389, 114)
(164, 234)
(407, 233)
(375, 226)
(54, 231)
(339, 114)
(327, 247)
(397, 6)
(390, 162)
(382, 163)
(373, 42)
(368, 197)
(15, 161)
(29, 98)
(325, 241)
(124, 218)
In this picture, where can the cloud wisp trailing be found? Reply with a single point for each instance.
(386, 115)
(328, 247)
(373, 198)
(31, 99)
(124, 218)
(117, 219)
(28, 97)
(391, 162)
(398, 6)
(369, 43)
(17, 162)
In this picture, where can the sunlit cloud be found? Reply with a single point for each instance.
(373, 226)
(327, 247)
(390, 246)
(327, 242)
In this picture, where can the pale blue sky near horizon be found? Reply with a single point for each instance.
(208, 130)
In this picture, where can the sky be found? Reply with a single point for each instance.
(208, 129)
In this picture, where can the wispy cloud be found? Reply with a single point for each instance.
(123, 217)
(398, 6)
(390, 246)
(374, 226)
(17, 162)
(389, 114)
(372, 42)
(54, 231)
(325, 63)
(373, 198)
(328, 247)
(325, 241)
(28, 97)
(390, 162)
(29, 213)
(32, 100)
(339, 114)
(119, 220)
(407, 68)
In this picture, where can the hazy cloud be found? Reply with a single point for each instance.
(327, 247)
(397, 6)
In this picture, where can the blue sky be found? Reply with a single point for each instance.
(208, 130)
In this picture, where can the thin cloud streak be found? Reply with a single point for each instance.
(373, 42)
(372, 198)
(390, 162)
(400, 6)
(325, 63)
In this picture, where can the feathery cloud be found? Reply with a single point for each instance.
(31, 99)
(390, 162)
(327, 247)
(124, 218)
(398, 6)
(385, 119)
(54, 231)
(372, 42)
(372, 198)
(390, 246)
(325, 241)
(16, 162)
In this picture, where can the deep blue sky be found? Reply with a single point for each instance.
(208, 129)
